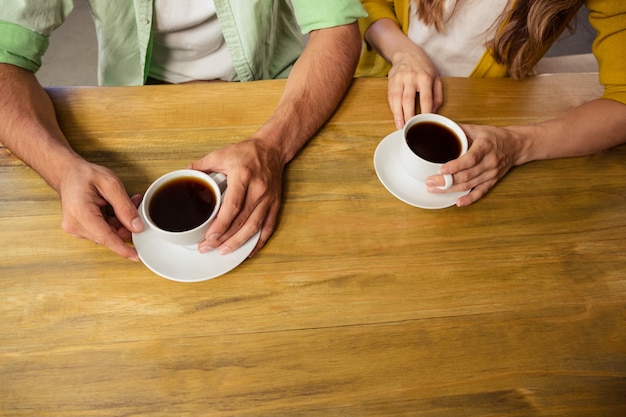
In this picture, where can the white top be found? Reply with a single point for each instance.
(469, 24)
(188, 43)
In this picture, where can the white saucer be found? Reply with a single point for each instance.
(401, 185)
(186, 264)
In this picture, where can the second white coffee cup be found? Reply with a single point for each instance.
(429, 141)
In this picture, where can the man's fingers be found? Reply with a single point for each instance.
(125, 209)
(104, 235)
(231, 208)
(268, 228)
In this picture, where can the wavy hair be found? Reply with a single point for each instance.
(524, 32)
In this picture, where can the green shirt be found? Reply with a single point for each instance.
(263, 37)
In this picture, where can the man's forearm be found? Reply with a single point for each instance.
(315, 87)
(28, 126)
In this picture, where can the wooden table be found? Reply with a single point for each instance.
(359, 305)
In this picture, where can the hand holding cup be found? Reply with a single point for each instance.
(431, 140)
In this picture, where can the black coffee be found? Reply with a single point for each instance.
(433, 142)
(182, 204)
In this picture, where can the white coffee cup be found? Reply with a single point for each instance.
(180, 223)
(426, 148)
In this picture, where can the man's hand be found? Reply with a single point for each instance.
(95, 206)
(252, 199)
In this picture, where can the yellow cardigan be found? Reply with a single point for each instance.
(607, 17)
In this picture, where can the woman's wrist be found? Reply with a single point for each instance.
(524, 142)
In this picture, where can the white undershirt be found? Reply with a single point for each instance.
(469, 24)
(188, 43)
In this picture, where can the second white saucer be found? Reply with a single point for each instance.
(401, 185)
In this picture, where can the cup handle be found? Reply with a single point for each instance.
(220, 179)
(449, 181)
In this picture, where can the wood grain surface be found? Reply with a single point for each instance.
(359, 305)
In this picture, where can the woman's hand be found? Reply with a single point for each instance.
(412, 72)
(493, 151)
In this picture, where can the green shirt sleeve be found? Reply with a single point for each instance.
(25, 26)
(320, 14)
(22, 47)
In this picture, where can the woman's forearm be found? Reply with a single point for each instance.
(592, 127)
(387, 38)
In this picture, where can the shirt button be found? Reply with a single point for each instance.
(145, 21)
